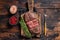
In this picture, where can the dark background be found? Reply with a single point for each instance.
(49, 7)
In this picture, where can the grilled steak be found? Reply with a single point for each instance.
(32, 22)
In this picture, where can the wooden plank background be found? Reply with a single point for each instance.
(52, 10)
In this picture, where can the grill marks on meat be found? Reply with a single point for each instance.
(32, 23)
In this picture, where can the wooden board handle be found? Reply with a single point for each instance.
(30, 5)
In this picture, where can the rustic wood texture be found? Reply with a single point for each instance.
(49, 7)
